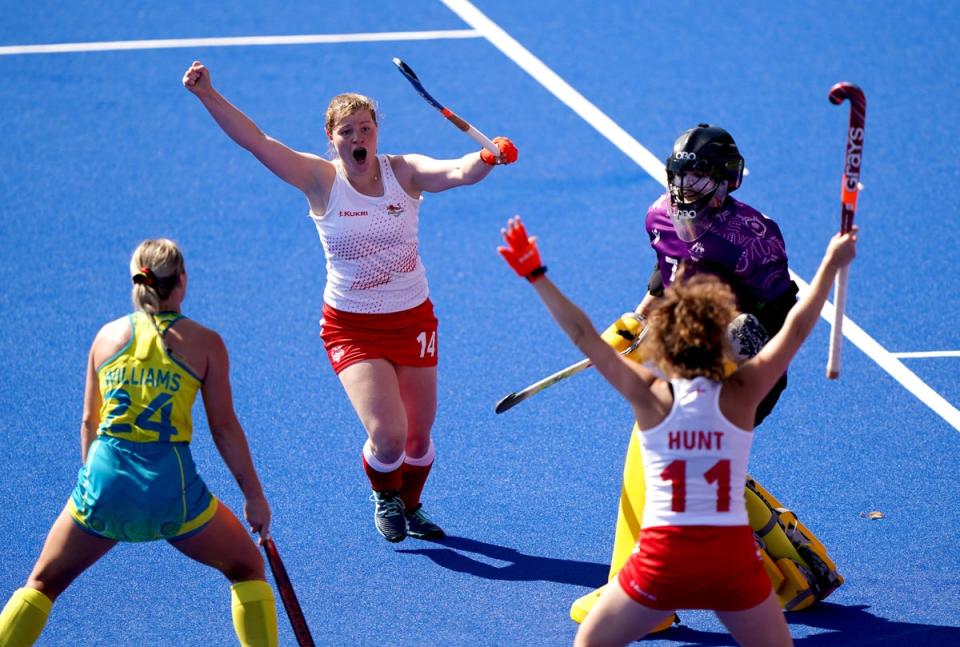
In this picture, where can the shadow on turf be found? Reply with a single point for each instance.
(854, 625)
(842, 626)
(517, 567)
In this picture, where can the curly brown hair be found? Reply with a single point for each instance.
(688, 328)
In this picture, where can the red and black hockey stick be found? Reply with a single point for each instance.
(848, 199)
(299, 624)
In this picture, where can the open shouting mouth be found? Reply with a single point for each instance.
(360, 155)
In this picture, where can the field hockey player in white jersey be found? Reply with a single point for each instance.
(696, 549)
(379, 327)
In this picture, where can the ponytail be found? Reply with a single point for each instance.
(155, 269)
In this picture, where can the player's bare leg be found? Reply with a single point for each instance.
(759, 626)
(374, 390)
(67, 552)
(225, 545)
(418, 389)
(617, 619)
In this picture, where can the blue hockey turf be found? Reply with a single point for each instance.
(102, 147)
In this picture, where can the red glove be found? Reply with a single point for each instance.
(508, 152)
(521, 252)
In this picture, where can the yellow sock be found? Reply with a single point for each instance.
(23, 618)
(254, 613)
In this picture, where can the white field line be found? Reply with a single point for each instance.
(239, 41)
(654, 167)
(927, 354)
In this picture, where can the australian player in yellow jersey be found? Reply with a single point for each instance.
(138, 481)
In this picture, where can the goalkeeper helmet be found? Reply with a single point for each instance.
(703, 168)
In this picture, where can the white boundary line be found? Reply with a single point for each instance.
(653, 166)
(239, 41)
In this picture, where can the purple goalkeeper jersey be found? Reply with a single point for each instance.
(742, 246)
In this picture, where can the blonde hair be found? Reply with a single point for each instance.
(688, 329)
(344, 105)
(155, 268)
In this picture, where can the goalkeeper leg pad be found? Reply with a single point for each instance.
(790, 584)
(806, 569)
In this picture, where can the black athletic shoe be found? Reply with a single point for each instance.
(419, 525)
(388, 515)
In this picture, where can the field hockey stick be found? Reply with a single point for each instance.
(290, 603)
(848, 199)
(474, 134)
(516, 398)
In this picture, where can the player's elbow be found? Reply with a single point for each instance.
(225, 430)
(89, 422)
(581, 335)
(461, 177)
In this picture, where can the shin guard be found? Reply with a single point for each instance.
(384, 477)
(254, 613)
(24, 617)
(414, 473)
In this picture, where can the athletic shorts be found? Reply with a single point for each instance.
(131, 491)
(696, 567)
(405, 338)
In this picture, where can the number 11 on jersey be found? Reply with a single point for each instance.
(676, 473)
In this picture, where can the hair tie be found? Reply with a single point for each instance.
(145, 277)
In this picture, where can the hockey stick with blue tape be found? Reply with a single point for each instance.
(848, 198)
(460, 123)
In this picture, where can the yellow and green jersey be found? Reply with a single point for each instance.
(147, 393)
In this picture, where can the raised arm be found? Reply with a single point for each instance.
(433, 175)
(630, 379)
(229, 437)
(308, 172)
(758, 375)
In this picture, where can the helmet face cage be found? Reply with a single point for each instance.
(709, 150)
(705, 165)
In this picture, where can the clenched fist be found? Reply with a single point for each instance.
(197, 78)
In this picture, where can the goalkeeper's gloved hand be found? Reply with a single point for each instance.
(746, 336)
(622, 332)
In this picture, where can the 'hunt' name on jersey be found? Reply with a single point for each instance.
(695, 440)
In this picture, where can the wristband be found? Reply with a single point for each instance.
(537, 273)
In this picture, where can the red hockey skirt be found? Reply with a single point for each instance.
(696, 567)
(405, 338)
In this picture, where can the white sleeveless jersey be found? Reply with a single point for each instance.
(371, 247)
(695, 462)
